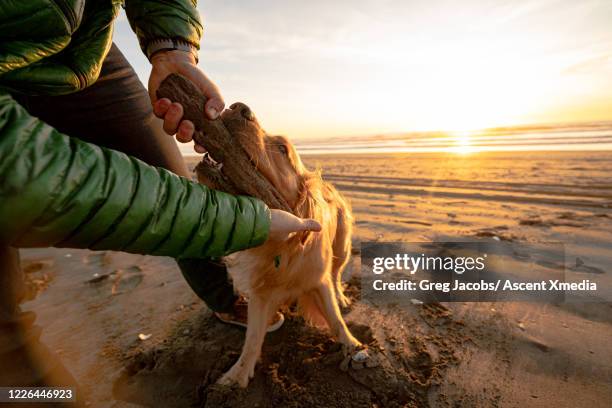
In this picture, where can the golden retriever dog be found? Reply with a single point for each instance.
(308, 266)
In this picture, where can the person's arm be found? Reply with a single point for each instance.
(161, 20)
(59, 191)
(169, 32)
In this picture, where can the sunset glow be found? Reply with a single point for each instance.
(464, 145)
(323, 69)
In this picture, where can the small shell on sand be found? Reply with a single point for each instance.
(361, 356)
(143, 337)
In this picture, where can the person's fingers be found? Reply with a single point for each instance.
(310, 225)
(199, 148)
(172, 118)
(161, 107)
(185, 131)
(283, 224)
(214, 106)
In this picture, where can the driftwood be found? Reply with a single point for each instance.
(232, 170)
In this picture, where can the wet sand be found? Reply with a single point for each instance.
(93, 306)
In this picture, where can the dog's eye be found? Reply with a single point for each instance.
(283, 149)
(248, 115)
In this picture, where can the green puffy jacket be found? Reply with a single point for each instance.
(59, 191)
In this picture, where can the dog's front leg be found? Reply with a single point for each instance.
(260, 311)
(355, 352)
(326, 300)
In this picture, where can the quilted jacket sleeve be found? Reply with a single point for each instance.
(155, 19)
(60, 191)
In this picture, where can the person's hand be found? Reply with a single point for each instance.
(181, 62)
(283, 224)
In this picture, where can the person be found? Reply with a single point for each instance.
(84, 162)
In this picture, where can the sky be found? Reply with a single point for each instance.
(318, 69)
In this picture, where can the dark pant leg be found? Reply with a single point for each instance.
(24, 360)
(116, 112)
(12, 286)
(208, 279)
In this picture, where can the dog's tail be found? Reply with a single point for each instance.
(310, 310)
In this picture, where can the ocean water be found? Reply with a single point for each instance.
(592, 136)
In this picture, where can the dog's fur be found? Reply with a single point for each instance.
(308, 266)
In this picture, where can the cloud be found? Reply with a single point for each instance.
(600, 64)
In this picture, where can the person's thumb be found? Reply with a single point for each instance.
(283, 223)
(309, 225)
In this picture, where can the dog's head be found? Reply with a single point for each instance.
(274, 156)
(307, 195)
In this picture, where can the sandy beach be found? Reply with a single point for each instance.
(92, 306)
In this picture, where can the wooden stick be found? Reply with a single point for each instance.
(238, 174)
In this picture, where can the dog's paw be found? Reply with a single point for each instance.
(231, 381)
(343, 300)
(236, 376)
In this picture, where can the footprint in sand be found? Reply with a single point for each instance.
(415, 222)
(550, 264)
(521, 255)
(580, 266)
(568, 215)
(494, 234)
(97, 259)
(119, 281)
(38, 275)
(533, 222)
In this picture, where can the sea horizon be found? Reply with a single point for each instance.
(580, 136)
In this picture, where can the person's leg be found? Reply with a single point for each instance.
(25, 361)
(208, 279)
(116, 112)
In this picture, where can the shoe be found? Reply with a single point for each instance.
(239, 316)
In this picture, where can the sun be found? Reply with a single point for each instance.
(463, 144)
